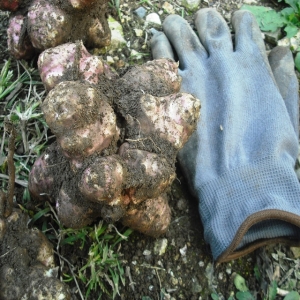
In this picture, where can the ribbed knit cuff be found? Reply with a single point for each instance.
(257, 201)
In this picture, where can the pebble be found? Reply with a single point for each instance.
(147, 252)
(168, 8)
(174, 281)
(220, 276)
(138, 32)
(141, 12)
(160, 246)
(273, 37)
(109, 60)
(191, 5)
(135, 55)
(250, 1)
(183, 250)
(117, 35)
(181, 204)
(153, 18)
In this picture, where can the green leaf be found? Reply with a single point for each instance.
(240, 283)
(292, 3)
(39, 214)
(244, 296)
(268, 19)
(297, 61)
(292, 296)
(291, 30)
(272, 290)
(257, 273)
(214, 296)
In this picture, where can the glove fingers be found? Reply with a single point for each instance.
(213, 31)
(161, 47)
(184, 41)
(282, 65)
(247, 34)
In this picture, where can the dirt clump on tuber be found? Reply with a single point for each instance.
(117, 141)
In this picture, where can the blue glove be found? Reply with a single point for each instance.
(240, 161)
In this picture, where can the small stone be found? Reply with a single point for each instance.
(147, 252)
(174, 281)
(191, 5)
(168, 8)
(228, 271)
(201, 263)
(151, 288)
(138, 32)
(141, 12)
(273, 37)
(153, 18)
(181, 204)
(117, 35)
(160, 246)
(285, 42)
(183, 250)
(250, 1)
(135, 55)
(109, 60)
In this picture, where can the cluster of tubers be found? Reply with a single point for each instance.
(117, 139)
(36, 25)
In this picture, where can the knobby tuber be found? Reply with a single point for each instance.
(71, 62)
(27, 261)
(117, 140)
(36, 25)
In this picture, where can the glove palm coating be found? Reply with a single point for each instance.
(240, 161)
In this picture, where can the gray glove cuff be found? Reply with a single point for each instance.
(273, 192)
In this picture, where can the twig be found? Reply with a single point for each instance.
(152, 267)
(11, 167)
(131, 282)
(71, 267)
(158, 279)
(7, 252)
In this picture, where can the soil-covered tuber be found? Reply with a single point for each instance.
(71, 62)
(116, 143)
(27, 265)
(27, 261)
(43, 24)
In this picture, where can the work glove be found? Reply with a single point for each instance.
(240, 161)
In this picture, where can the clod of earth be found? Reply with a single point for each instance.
(26, 256)
(117, 140)
(37, 25)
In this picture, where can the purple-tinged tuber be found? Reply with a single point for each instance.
(116, 143)
(71, 62)
(43, 24)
